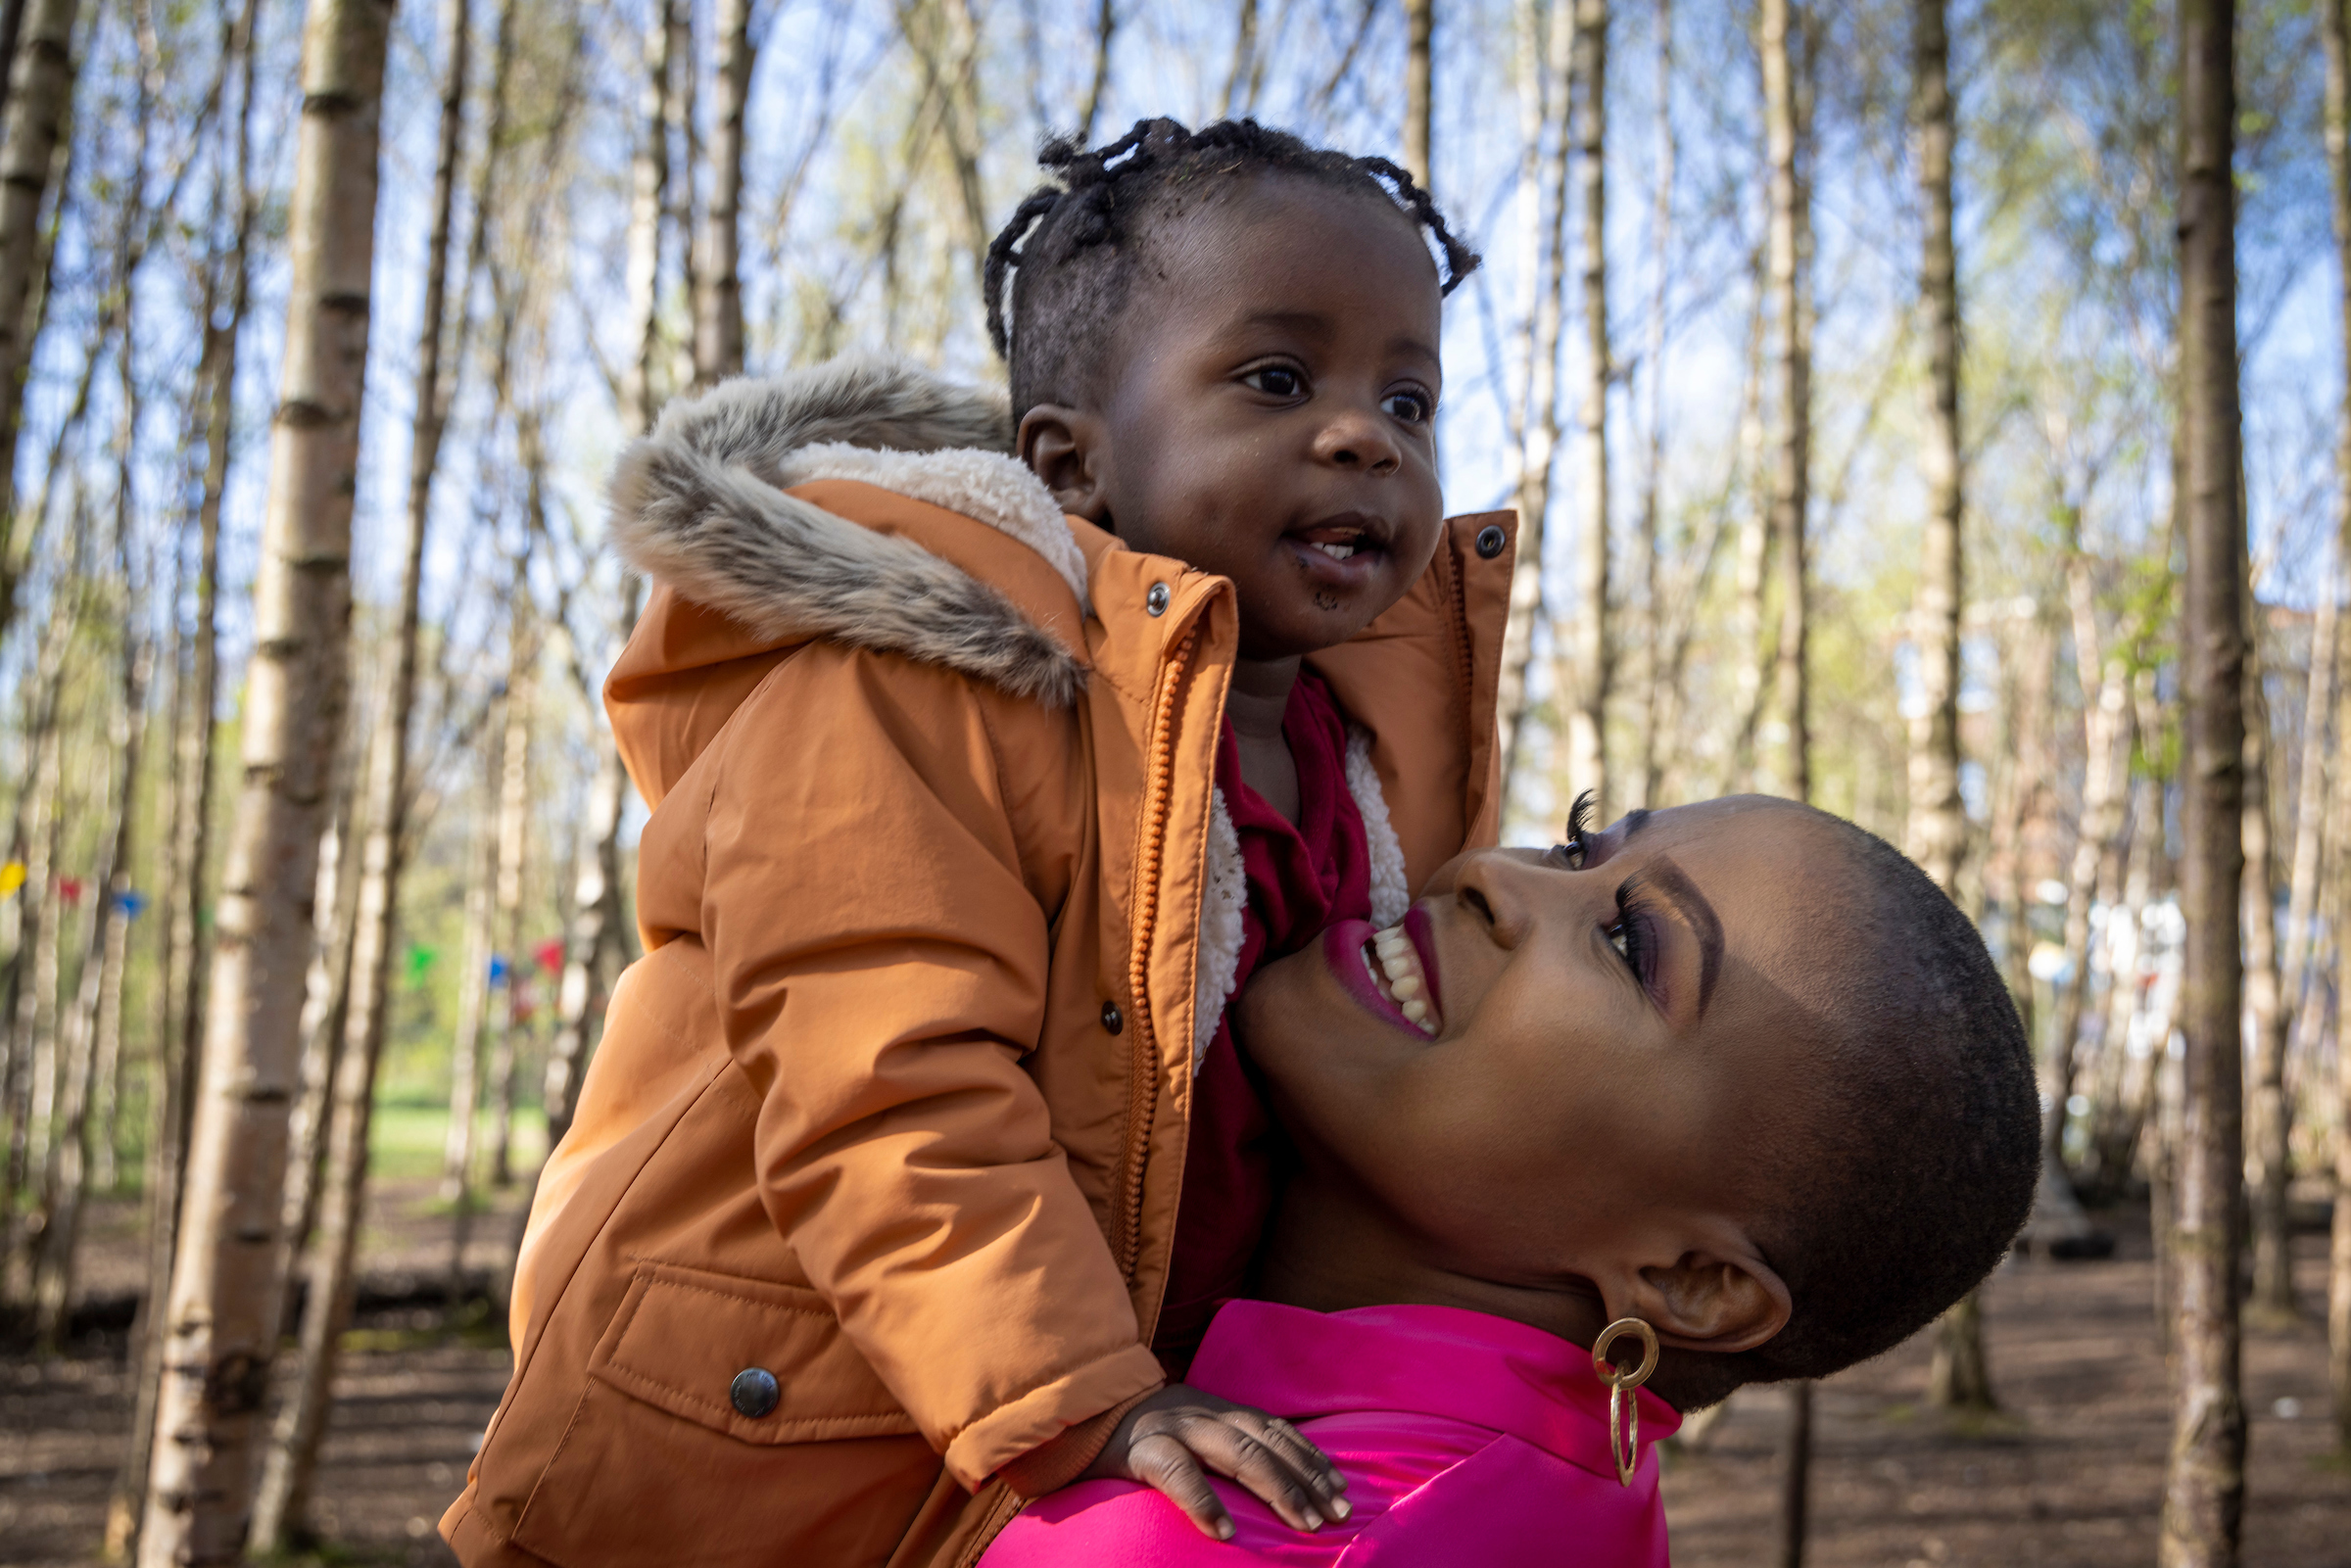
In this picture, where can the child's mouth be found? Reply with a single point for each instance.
(1341, 549)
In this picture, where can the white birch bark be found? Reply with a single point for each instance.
(1590, 664)
(224, 1300)
(1539, 420)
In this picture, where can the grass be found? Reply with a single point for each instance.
(407, 1136)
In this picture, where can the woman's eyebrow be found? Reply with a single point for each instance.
(1666, 877)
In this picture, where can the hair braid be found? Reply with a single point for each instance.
(1061, 268)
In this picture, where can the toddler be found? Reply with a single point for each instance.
(917, 1152)
(1736, 1073)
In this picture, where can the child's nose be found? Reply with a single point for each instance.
(1354, 439)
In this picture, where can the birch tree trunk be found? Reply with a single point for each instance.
(1539, 424)
(1788, 135)
(1960, 1376)
(1785, 131)
(2269, 1113)
(2310, 791)
(2273, 1272)
(1647, 775)
(97, 1014)
(1586, 693)
(1106, 28)
(2336, 29)
(225, 1301)
(36, 923)
(718, 303)
(649, 179)
(594, 937)
(474, 1009)
(1419, 74)
(326, 1004)
(1796, 1476)
(41, 74)
(1938, 828)
(2106, 731)
(513, 854)
(1755, 551)
(2205, 1486)
(283, 1502)
(185, 944)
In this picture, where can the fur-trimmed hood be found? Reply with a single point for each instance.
(701, 505)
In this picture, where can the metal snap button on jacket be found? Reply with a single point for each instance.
(1112, 1019)
(1490, 540)
(1156, 601)
(754, 1391)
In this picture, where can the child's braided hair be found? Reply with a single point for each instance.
(1067, 256)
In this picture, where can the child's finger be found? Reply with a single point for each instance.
(1231, 1449)
(1163, 1463)
(1304, 1457)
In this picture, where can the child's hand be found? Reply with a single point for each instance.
(1165, 1440)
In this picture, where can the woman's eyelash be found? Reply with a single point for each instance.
(1630, 936)
(1579, 825)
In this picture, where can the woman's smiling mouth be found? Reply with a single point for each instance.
(1389, 958)
(1386, 971)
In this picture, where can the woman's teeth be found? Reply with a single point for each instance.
(1337, 552)
(1394, 965)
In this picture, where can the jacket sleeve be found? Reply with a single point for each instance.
(880, 958)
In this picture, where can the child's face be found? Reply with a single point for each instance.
(1573, 1114)
(1270, 414)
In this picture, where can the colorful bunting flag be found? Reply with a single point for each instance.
(549, 953)
(69, 889)
(130, 903)
(420, 959)
(498, 968)
(12, 876)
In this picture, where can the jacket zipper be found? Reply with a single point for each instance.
(1143, 1068)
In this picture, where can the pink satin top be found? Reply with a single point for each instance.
(1465, 1439)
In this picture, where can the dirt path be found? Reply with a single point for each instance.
(2069, 1477)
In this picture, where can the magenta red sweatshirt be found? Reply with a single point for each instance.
(1464, 1439)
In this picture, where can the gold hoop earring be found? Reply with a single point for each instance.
(1624, 1414)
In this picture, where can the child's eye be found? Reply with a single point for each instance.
(1412, 407)
(1275, 381)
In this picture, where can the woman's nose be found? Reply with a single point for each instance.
(1499, 890)
(1358, 440)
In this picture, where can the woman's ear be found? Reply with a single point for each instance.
(1707, 1300)
(1071, 453)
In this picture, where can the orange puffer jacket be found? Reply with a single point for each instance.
(940, 903)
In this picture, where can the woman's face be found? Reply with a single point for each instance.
(1610, 1030)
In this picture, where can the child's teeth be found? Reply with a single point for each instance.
(1337, 552)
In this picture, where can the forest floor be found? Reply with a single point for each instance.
(2069, 1475)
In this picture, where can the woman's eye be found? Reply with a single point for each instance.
(1410, 407)
(1620, 939)
(1275, 381)
(1569, 854)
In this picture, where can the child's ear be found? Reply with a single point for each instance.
(1719, 1302)
(1070, 451)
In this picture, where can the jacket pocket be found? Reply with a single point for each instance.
(683, 1336)
(658, 1467)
